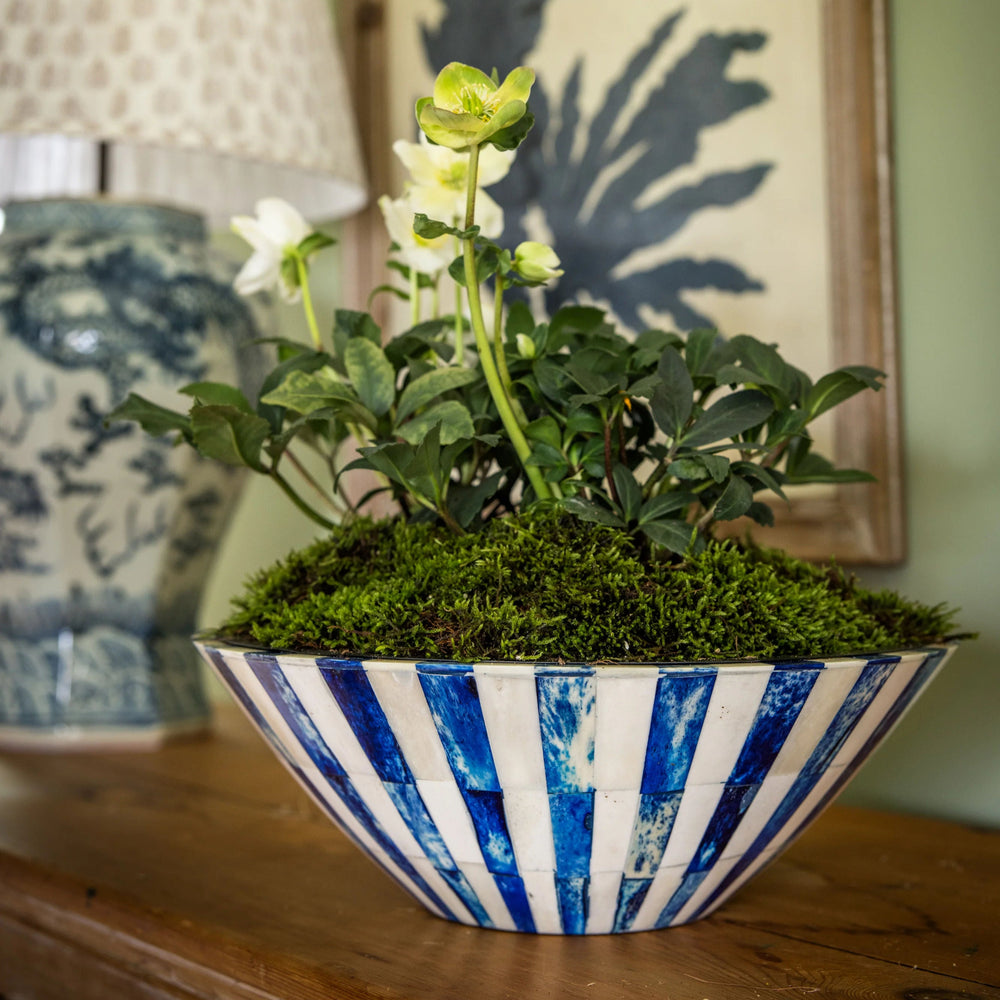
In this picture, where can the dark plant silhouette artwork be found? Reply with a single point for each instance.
(596, 224)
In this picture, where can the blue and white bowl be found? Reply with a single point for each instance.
(573, 799)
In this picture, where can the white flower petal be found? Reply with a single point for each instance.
(494, 164)
(249, 229)
(489, 216)
(259, 273)
(426, 256)
(280, 222)
(437, 202)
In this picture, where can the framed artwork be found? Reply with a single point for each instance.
(724, 163)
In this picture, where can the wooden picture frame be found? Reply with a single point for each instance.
(858, 524)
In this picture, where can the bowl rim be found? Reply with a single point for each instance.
(328, 659)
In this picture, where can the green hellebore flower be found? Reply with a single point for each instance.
(536, 262)
(468, 108)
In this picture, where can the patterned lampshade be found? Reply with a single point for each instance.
(206, 104)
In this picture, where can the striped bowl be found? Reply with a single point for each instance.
(572, 799)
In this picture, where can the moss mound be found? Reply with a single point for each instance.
(542, 586)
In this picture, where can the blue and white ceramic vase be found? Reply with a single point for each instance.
(573, 799)
(106, 535)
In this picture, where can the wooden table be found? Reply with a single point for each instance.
(202, 871)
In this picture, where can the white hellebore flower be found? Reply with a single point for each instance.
(536, 261)
(277, 229)
(439, 178)
(417, 253)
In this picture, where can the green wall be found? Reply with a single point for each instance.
(944, 758)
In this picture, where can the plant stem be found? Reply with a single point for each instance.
(311, 480)
(498, 350)
(307, 306)
(298, 501)
(414, 297)
(497, 391)
(459, 319)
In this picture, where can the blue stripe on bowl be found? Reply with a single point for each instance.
(861, 695)
(453, 700)
(631, 894)
(681, 895)
(678, 715)
(569, 725)
(354, 695)
(516, 897)
(268, 672)
(574, 898)
(920, 678)
(783, 699)
(572, 816)
(654, 821)
(459, 885)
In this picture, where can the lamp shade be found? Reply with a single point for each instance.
(206, 104)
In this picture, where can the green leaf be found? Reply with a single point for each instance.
(465, 502)
(217, 393)
(431, 385)
(513, 135)
(700, 466)
(761, 513)
(735, 501)
(833, 389)
(672, 404)
(313, 243)
(730, 416)
(305, 391)
(349, 324)
(519, 320)
(812, 468)
(371, 374)
(452, 416)
(583, 422)
(766, 478)
(151, 417)
(393, 459)
(431, 229)
(698, 348)
(666, 503)
(763, 366)
(545, 429)
(487, 264)
(229, 435)
(421, 339)
(629, 493)
(587, 510)
(545, 456)
(590, 381)
(672, 534)
(575, 319)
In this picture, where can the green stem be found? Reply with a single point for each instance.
(497, 391)
(501, 356)
(317, 488)
(299, 502)
(414, 297)
(307, 306)
(459, 319)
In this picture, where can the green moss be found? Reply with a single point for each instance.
(551, 587)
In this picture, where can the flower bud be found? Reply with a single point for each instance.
(536, 262)
(525, 347)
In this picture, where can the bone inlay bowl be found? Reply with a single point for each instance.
(572, 799)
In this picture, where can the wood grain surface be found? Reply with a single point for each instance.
(203, 871)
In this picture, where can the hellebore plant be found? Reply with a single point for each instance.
(660, 436)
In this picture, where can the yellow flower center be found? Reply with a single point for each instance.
(475, 100)
(453, 176)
